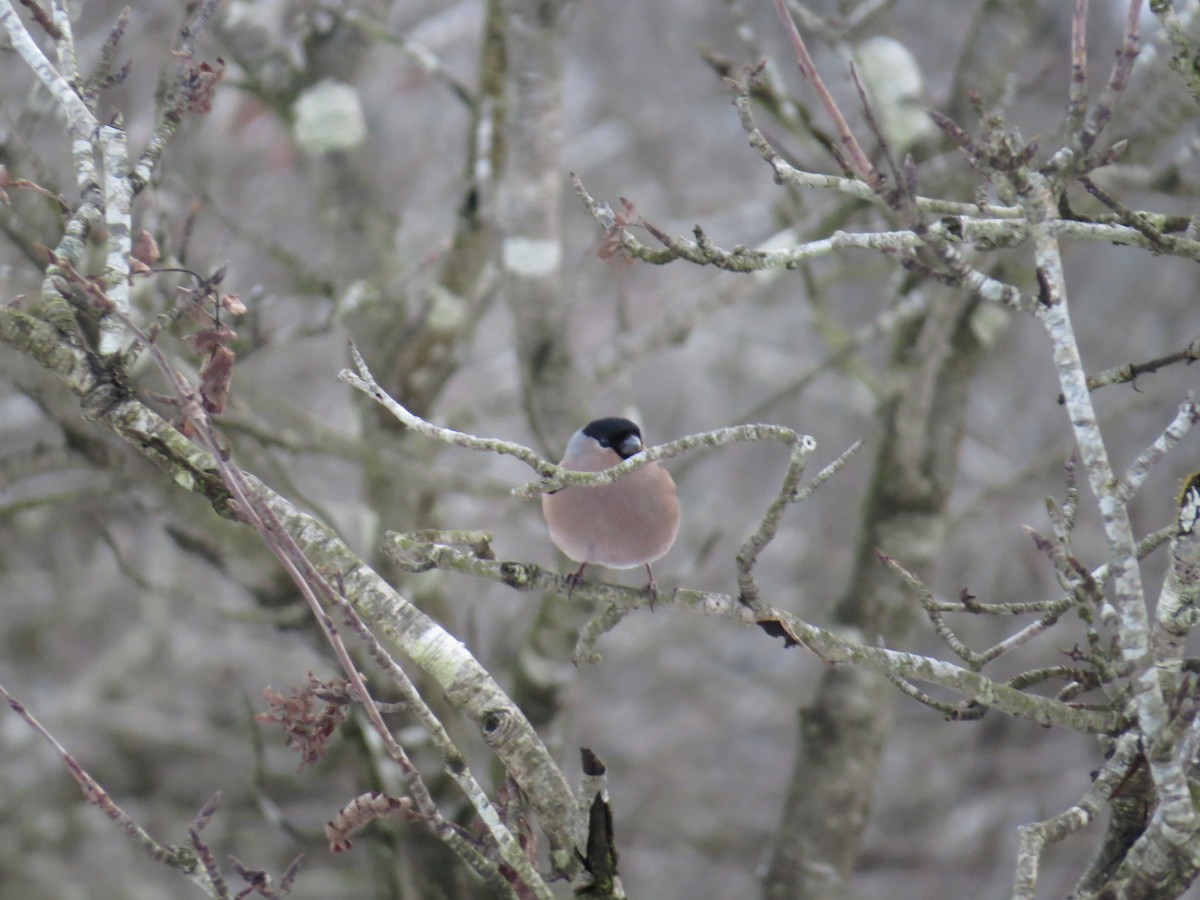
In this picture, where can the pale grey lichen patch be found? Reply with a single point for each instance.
(329, 118)
(532, 257)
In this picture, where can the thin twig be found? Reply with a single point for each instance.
(1130, 372)
(963, 711)
(788, 493)
(859, 163)
(174, 857)
(1139, 469)
(1033, 838)
(605, 621)
(1118, 78)
(924, 596)
(1078, 92)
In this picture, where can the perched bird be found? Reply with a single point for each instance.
(629, 523)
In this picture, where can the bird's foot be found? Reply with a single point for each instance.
(574, 580)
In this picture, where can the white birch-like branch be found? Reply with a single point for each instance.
(1178, 609)
(80, 120)
(83, 135)
(1175, 813)
(118, 201)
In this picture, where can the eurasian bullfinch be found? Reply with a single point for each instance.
(629, 523)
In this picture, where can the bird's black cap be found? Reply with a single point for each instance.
(614, 432)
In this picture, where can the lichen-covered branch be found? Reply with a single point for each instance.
(420, 554)
(468, 686)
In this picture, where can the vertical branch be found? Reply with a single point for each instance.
(118, 198)
(1078, 92)
(82, 127)
(531, 230)
(1128, 612)
(82, 137)
(1118, 78)
(529, 198)
(748, 592)
(1178, 608)
(841, 735)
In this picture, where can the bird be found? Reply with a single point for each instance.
(629, 523)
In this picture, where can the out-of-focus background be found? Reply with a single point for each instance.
(141, 629)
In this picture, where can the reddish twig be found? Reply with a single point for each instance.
(1078, 102)
(858, 162)
(1117, 80)
(362, 811)
(98, 796)
(43, 18)
(204, 852)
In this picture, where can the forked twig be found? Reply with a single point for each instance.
(858, 162)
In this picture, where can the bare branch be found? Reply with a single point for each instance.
(859, 163)
(786, 173)
(1117, 79)
(788, 493)
(82, 123)
(456, 764)
(965, 711)
(97, 796)
(296, 539)
(924, 596)
(1129, 612)
(1139, 470)
(1078, 102)
(554, 477)
(826, 644)
(118, 199)
(606, 620)
(1129, 373)
(1034, 837)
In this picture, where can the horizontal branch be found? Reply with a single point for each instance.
(787, 174)
(416, 553)
(555, 477)
(983, 233)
